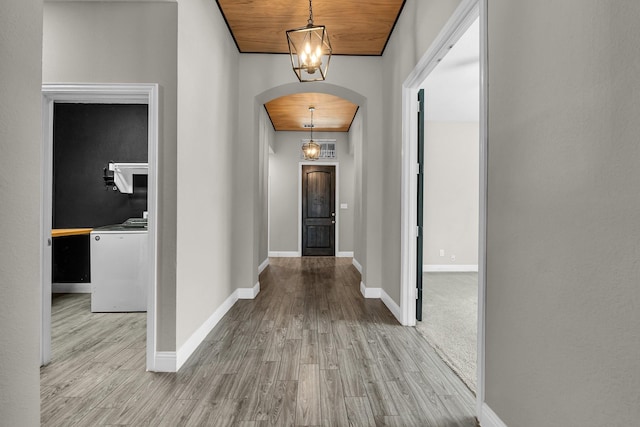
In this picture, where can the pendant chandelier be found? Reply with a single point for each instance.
(311, 149)
(310, 50)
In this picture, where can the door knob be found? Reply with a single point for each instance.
(333, 222)
(333, 214)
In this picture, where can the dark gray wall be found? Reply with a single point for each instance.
(86, 138)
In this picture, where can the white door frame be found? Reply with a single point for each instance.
(336, 250)
(466, 13)
(98, 94)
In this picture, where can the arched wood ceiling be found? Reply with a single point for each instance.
(355, 27)
(291, 112)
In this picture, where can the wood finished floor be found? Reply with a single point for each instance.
(309, 350)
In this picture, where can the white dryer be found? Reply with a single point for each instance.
(119, 277)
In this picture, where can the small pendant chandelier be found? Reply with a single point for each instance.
(310, 50)
(311, 149)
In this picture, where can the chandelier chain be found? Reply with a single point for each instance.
(310, 21)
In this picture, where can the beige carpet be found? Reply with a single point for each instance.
(449, 320)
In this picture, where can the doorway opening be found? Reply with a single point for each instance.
(448, 257)
(102, 97)
(281, 165)
(461, 20)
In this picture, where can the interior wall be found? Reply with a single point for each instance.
(127, 42)
(417, 27)
(451, 184)
(562, 323)
(274, 72)
(355, 148)
(285, 176)
(207, 117)
(267, 143)
(20, 175)
(86, 137)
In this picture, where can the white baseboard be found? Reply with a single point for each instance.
(379, 293)
(264, 265)
(370, 292)
(201, 333)
(344, 254)
(488, 418)
(71, 288)
(248, 293)
(391, 305)
(165, 361)
(449, 268)
(285, 254)
(357, 265)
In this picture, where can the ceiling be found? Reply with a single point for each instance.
(355, 27)
(291, 112)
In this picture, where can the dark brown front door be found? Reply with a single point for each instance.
(318, 210)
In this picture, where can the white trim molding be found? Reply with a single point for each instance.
(284, 254)
(374, 293)
(449, 268)
(248, 293)
(391, 305)
(357, 265)
(344, 254)
(379, 293)
(71, 288)
(187, 349)
(165, 361)
(263, 265)
(488, 418)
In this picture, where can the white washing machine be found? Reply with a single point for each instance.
(119, 277)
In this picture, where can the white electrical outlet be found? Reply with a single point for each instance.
(441, 252)
(453, 258)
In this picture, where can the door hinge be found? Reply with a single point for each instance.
(419, 107)
(415, 293)
(417, 231)
(417, 168)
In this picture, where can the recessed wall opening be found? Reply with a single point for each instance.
(450, 207)
(99, 191)
(284, 127)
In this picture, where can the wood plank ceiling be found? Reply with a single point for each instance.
(291, 112)
(355, 27)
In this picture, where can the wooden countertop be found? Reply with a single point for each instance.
(60, 232)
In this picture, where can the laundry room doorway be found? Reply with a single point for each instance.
(63, 227)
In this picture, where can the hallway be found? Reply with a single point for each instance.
(309, 350)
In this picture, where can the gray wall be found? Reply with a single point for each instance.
(267, 143)
(284, 169)
(563, 288)
(355, 148)
(207, 117)
(451, 183)
(128, 42)
(20, 174)
(139, 42)
(417, 27)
